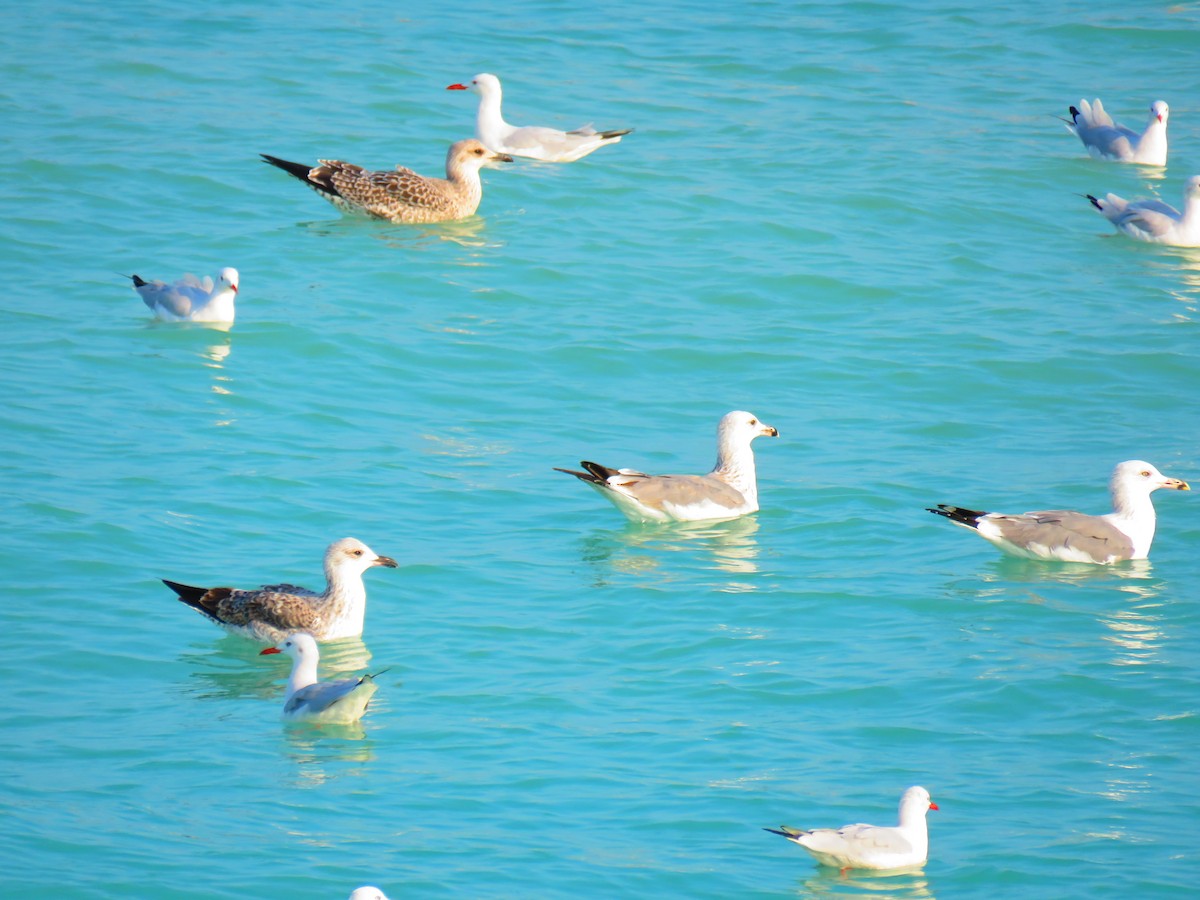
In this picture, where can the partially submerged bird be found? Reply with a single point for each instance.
(275, 610)
(310, 700)
(191, 299)
(1059, 534)
(871, 846)
(533, 141)
(729, 490)
(401, 195)
(1154, 221)
(1105, 139)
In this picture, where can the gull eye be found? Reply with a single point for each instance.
(1145, 473)
(753, 422)
(356, 553)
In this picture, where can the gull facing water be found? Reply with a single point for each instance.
(1105, 139)
(729, 490)
(872, 846)
(532, 141)
(402, 195)
(310, 700)
(1154, 221)
(1124, 533)
(191, 299)
(273, 611)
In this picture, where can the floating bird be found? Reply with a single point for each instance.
(367, 892)
(729, 490)
(1124, 533)
(1153, 220)
(402, 195)
(1104, 139)
(872, 846)
(275, 610)
(309, 700)
(533, 141)
(191, 299)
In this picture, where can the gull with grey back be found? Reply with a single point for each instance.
(309, 700)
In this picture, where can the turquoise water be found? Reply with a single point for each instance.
(858, 220)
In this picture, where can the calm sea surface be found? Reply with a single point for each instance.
(861, 221)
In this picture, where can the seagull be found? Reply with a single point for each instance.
(1105, 139)
(191, 299)
(1153, 220)
(729, 490)
(309, 700)
(367, 892)
(273, 611)
(533, 141)
(872, 846)
(1124, 533)
(403, 195)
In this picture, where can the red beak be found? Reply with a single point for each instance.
(456, 87)
(932, 805)
(268, 650)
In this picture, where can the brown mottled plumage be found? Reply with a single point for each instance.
(401, 195)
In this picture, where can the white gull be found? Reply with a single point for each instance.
(273, 611)
(367, 892)
(1059, 534)
(533, 141)
(1154, 221)
(729, 490)
(872, 846)
(402, 195)
(310, 700)
(191, 299)
(1105, 139)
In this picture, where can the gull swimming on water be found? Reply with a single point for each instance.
(1154, 221)
(191, 299)
(401, 195)
(533, 141)
(273, 611)
(1124, 533)
(1105, 139)
(310, 700)
(729, 490)
(872, 846)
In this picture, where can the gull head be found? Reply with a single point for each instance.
(1160, 111)
(299, 645)
(355, 556)
(484, 84)
(1191, 187)
(915, 803)
(367, 892)
(1138, 476)
(471, 154)
(742, 427)
(228, 278)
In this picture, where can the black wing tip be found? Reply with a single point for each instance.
(1074, 113)
(1094, 202)
(620, 132)
(139, 281)
(778, 832)
(969, 517)
(582, 476)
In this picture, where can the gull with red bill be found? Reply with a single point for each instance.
(860, 846)
(532, 141)
(191, 299)
(1106, 139)
(327, 702)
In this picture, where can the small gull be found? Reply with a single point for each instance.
(1153, 220)
(1104, 139)
(309, 700)
(533, 141)
(275, 610)
(872, 846)
(191, 299)
(729, 490)
(367, 892)
(403, 195)
(1124, 533)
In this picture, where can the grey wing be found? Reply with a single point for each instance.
(316, 698)
(1063, 528)
(681, 490)
(1151, 216)
(176, 299)
(877, 837)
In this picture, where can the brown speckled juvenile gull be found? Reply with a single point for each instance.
(274, 611)
(1124, 533)
(401, 195)
(729, 490)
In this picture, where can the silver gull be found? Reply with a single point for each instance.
(1105, 139)
(1154, 221)
(532, 141)
(273, 611)
(191, 299)
(729, 490)
(310, 700)
(872, 846)
(1059, 534)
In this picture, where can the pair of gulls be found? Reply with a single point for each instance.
(404, 196)
(1147, 220)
